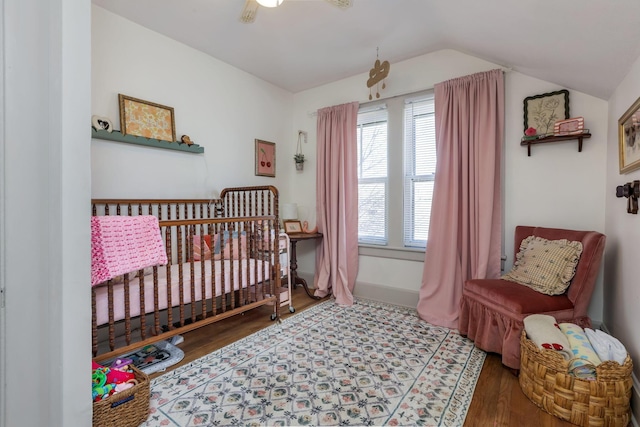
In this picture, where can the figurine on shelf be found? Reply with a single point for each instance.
(529, 134)
(305, 228)
(101, 123)
(186, 140)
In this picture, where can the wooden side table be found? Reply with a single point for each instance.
(294, 238)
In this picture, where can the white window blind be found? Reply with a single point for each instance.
(373, 180)
(419, 168)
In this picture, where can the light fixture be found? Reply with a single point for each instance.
(270, 3)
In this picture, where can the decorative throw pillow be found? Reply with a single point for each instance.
(204, 252)
(546, 266)
(239, 245)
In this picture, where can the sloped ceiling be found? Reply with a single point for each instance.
(584, 45)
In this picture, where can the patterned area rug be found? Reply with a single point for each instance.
(369, 364)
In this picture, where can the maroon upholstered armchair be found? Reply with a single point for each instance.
(492, 310)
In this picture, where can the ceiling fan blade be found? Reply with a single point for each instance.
(248, 14)
(342, 4)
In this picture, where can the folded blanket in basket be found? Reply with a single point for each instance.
(121, 244)
(606, 346)
(585, 366)
(543, 330)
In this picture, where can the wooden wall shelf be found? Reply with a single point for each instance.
(148, 142)
(579, 138)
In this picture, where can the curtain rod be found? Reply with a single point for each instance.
(504, 69)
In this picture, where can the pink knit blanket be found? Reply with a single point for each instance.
(121, 244)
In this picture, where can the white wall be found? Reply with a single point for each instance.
(556, 186)
(622, 295)
(220, 107)
(45, 216)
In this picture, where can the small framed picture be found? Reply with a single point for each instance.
(144, 118)
(292, 227)
(265, 158)
(569, 127)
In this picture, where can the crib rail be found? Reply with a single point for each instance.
(249, 201)
(163, 209)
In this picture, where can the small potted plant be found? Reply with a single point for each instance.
(299, 159)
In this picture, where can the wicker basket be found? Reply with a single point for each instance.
(127, 408)
(545, 380)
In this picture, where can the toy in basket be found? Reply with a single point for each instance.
(128, 408)
(546, 379)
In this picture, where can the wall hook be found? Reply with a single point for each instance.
(630, 190)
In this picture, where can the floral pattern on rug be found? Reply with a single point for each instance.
(368, 364)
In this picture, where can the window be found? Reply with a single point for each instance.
(396, 169)
(372, 176)
(419, 169)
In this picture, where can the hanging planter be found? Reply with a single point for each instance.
(299, 157)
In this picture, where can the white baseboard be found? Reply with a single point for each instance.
(388, 294)
(380, 293)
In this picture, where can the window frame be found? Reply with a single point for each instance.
(395, 247)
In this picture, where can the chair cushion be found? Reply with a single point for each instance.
(505, 295)
(546, 266)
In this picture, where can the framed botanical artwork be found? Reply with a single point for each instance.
(292, 227)
(148, 119)
(265, 158)
(541, 112)
(629, 138)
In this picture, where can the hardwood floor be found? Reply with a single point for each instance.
(497, 401)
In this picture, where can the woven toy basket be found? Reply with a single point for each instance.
(546, 381)
(129, 408)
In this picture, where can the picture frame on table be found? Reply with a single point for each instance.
(147, 119)
(541, 112)
(265, 158)
(629, 138)
(292, 226)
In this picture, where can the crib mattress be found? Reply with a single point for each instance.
(252, 273)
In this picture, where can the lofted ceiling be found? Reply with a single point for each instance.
(584, 45)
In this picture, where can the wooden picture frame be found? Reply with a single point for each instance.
(541, 112)
(265, 158)
(292, 226)
(629, 138)
(147, 119)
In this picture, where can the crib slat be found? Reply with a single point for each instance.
(180, 276)
(112, 339)
(143, 319)
(156, 305)
(192, 280)
(127, 310)
(168, 246)
(203, 264)
(94, 323)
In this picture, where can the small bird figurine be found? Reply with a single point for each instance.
(186, 140)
